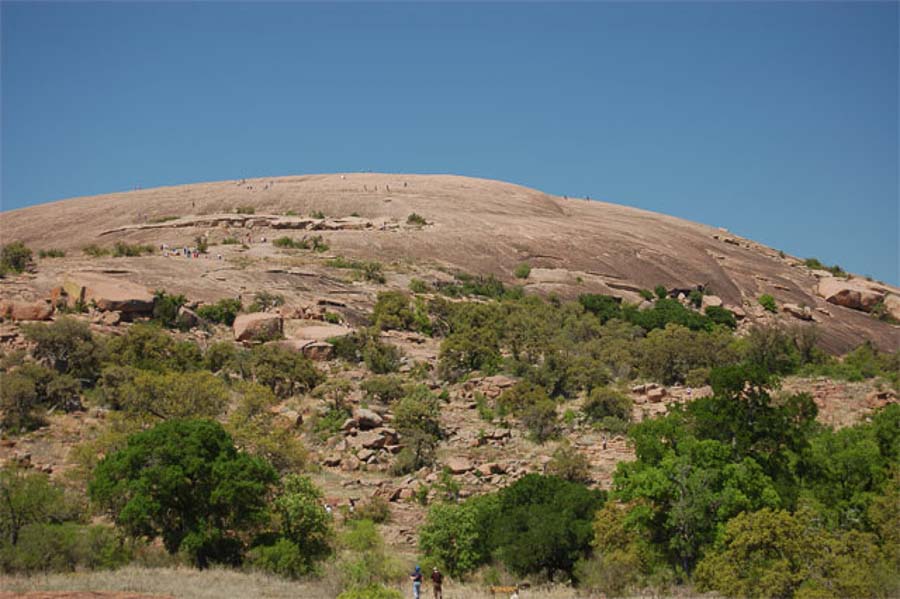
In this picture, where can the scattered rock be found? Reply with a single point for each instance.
(17, 311)
(710, 300)
(258, 326)
(801, 312)
(892, 306)
(367, 419)
(458, 465)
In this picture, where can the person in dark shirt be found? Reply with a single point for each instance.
(437, 579)
(416, 578)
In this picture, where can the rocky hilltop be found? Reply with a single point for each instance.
(476, 226)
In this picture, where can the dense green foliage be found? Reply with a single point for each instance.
(15, 257)
(223, 311)
(537, 525)
(184, 481)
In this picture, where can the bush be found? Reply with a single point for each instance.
(51, 253)
(457, 536)
(522, 271)
(67, 346)
(392, 311)
(65, 547)
(264, 301)
(95, 251)
(646, 294)
(377, 509)
(418, 286)
(660, 291)
(246, 209)
(604, 402)
(768, 302)
(541, 421)
(256, 428)
(223, 311)
(184, 482)
(29, 498)
(720, 315)
(20, 403)
(290, 243)
(569, 464)
(417, 419)
(604, 307)
(383, 388)
(127, 250)
(165, 308)
(416, 220)
(283, 370)
(167, 395)
(816, 264)
(15, 257)
(148, 347)
(381, 358)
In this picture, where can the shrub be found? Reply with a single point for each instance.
(127, 250)
(457, 536)
(65, 547)
(660, 291)
(383, 388)
(148, 347)
(541, 421)
(695, 297)
(246, 209)
(95, 251)
(418, 286)
(465, 351)
(290, 244)
(162, 219)
(768, 302)
(15, 257)
(522, 271)
(51, 253)
(392, 311)
(720, 315)
(417, 419)
(569, 464)
(223, 311)
(20, 403)
(816, 264)
(68, 346)
(646, 294)
(317, 214)
(302, 521)
(604, 307)
(381, 358)
(184, 482)
(283, 370)
(604, 402)
(29, 498)
(377, 509)
(231, 241)
(264, 301)
(165, 308)
(416, 220)
(255, 427)
(172, 395)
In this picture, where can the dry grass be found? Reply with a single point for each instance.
(186, 583)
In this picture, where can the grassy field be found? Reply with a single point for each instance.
(186, 583)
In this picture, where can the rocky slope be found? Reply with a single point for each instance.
(473, 225)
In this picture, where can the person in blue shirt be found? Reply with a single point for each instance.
(416, 578)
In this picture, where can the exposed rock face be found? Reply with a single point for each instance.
(258, 326)
(108, 293)
(710, 300)
(850, 293)
(318, 351)
(39, 310)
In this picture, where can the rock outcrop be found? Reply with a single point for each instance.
(108, 293)
(850, 293)
(258, 326)
(14, 310)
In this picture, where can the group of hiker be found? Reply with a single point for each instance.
(437, 580)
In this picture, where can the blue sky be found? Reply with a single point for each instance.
(777, 121)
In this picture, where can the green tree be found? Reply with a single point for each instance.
(417, 418)
(28, 498)
(20, 403)
(185, 482)
(148, 347)
(457, 535)
(173, 395)
(543, 524)
(604, 402)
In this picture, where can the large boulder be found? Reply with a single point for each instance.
(850, 293)
(258, 326)
(892, 306)
(39, 310)
(458, 465)
(108, 293)
(318, 351)
(367, 419)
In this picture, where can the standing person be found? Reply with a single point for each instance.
(416, 578)
(437, 579)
